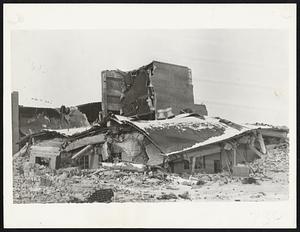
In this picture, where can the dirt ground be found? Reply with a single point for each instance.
(35, 183)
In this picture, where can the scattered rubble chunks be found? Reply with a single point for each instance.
(249, 180)
(101, 195)
(276, 160)
(185, 195)
(200, 182)
(167, 196)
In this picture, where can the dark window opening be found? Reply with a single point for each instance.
(199, 163)
(186, 164)
(42, 161)
(217, 166)
(115, 157)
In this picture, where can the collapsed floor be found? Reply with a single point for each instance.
(34, 183)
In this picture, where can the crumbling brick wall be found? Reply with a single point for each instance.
(153, 87)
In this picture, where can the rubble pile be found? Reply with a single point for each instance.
(276, 160)
(34, 183)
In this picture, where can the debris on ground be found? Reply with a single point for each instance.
(249, 180)
(35, 183)
(276, 160)
(185, 195)
(167, 196)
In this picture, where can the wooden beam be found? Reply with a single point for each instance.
(207, 151)
(227, 161)
(193, 164)
(93, 160)
(255, 151)
(82, 152)
(85, 141)
(261, 143)
(234, 156)
(273, 133)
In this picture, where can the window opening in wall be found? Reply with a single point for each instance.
(43, 161)
(116, 157)
(217, 166)
(199, 163)
(186, 164)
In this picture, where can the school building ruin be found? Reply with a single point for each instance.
(148, 117)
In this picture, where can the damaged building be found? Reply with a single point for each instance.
(147, 118)
(31, 119)
(156, 91)
(191, 143)
(186, 143)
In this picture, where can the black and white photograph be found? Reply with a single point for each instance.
(115, 116)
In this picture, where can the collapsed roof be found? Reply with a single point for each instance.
(186, 132)
(170, 137)
(182, 133)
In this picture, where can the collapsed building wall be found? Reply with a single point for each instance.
(91, 110)
(27, 120)
(200, 109)
(131, 147)
(145, 91)
(172, 85)
(33, 119)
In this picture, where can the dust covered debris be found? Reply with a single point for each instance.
(34, 183)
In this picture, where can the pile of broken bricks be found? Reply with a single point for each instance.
(276, 160)
(34, 183)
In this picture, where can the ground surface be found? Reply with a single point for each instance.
(34, 183)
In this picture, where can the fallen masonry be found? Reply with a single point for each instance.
(34, 183)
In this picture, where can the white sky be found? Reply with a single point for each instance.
(241, 75)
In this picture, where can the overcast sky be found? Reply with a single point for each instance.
(241, 75)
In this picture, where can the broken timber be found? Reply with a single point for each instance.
(85, 141)
(83, 151)
(261, 142)
(125, 166)
(255, 150)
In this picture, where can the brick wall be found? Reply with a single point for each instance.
(173, 87)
